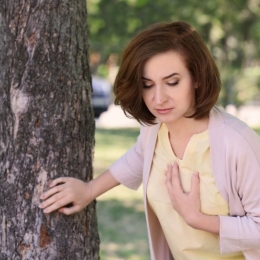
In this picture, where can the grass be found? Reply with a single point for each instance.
(120, 212)
(111, 144)
(257, 129)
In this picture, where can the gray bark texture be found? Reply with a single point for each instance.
(46, 127)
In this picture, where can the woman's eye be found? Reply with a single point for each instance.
(147, 85)
(173, 83)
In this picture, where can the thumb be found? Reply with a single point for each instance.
(195, 184)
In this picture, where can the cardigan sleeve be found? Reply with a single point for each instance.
(241, 232)
(128, 169)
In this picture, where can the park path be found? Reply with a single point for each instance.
(114, 117)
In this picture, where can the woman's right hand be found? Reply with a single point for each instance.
(66, 191)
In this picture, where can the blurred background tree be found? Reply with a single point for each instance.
(231, 30)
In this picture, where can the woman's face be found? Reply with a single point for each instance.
(168, 88)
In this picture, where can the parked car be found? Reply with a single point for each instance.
(101, 95)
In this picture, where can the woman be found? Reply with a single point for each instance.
(199, 166)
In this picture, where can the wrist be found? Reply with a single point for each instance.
(194, 220)
(204, 222)
(90, 193)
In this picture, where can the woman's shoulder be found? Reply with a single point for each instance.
(219, 117)
(150, 129)
(232, 128)
(148, 134)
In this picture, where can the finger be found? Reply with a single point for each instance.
(52, 191)
(50, 201)
(168, 171)
(195, 184)
(175, 170)
(58, 204)
(168, 175)
(176, 182)
(59, 180)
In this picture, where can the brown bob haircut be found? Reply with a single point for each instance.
(159, 38)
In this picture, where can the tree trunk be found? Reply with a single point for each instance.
(46, 127)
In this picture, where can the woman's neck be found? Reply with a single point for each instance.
(187, 127)
(181, 133)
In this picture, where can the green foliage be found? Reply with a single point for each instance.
(230, 28)
(257, 130)
(102, 71)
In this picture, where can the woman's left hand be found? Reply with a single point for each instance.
(186, 204)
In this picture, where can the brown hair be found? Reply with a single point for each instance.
(158, 38)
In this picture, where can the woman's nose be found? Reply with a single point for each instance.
(160, 95)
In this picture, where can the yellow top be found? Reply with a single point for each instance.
(185, 242)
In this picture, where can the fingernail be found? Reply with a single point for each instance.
(40, 205)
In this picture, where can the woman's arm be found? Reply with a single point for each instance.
(65, 190)
(127, 170)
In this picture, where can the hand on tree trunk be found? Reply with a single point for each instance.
(67, 195)
(75, 193)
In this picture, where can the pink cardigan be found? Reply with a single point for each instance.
(235, 158)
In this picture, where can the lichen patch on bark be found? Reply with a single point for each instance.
(39, 186)
(19, 105)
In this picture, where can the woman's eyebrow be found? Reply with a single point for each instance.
(166, 77)
(171, 75)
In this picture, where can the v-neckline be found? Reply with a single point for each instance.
(187, 148)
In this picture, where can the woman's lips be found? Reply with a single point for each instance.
(164, 111)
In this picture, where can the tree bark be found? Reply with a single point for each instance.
(46, 127)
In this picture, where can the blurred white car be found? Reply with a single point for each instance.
(101, 95)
